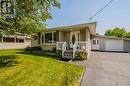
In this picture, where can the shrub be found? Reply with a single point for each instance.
(8, 60)
(54, 50)
(36, 48)
(81, 55)
(47, 50)
(44, 53)
(28, 49)
(59, 53)
(33, 48)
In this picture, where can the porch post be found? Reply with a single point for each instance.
(40, 39)
(86, 34)
(61, 35)
(89, 36)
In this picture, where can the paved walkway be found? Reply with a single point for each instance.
(106, 69)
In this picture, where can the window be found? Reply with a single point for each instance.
(94, 42)
(35, 37)
(49, 37)
(54, 35)
(19, 40)
(73, 39)
(97, 41)
(7, 39)
(42, 38)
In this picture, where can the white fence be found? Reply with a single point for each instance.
(14, 45)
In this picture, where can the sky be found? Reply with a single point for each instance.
(72, 12)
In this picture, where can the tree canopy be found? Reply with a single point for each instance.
(97, 34)
(117, 32)
(30, 16)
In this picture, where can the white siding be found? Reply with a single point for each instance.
(14, 45)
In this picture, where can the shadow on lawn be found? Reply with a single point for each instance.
(44, 54)
(8, 61)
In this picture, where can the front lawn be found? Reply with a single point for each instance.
(20, 69)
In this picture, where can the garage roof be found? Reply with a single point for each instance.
(112, 37)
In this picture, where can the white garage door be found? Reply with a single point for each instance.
(114, 45)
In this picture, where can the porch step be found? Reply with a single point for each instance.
(67, 57)
(69, 51)
(68, 54)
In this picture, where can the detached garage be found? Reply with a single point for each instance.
(112, 43)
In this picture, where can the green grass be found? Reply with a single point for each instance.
(32, 70)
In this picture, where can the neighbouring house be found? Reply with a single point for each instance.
(14, 41)
(81, 37)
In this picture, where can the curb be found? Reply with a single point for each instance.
(81, 78)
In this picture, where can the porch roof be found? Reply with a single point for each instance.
(91, 26)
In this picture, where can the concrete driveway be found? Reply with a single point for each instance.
(106, 69)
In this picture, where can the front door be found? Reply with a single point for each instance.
(95, 44)
(74, 36)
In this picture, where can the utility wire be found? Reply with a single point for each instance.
(101, 10)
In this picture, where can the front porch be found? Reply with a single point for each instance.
(68, 41)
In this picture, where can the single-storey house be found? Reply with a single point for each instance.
(14, 41)
(81, 37)
(69, 39)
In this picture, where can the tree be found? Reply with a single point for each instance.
(117, 32)
(30, 16)
(108, 33)
(126, 35)
(97, 34)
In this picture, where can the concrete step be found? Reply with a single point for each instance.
(67, 57)
(68, 53)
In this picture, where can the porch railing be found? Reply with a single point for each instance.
(81, 46)
(61, 46)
